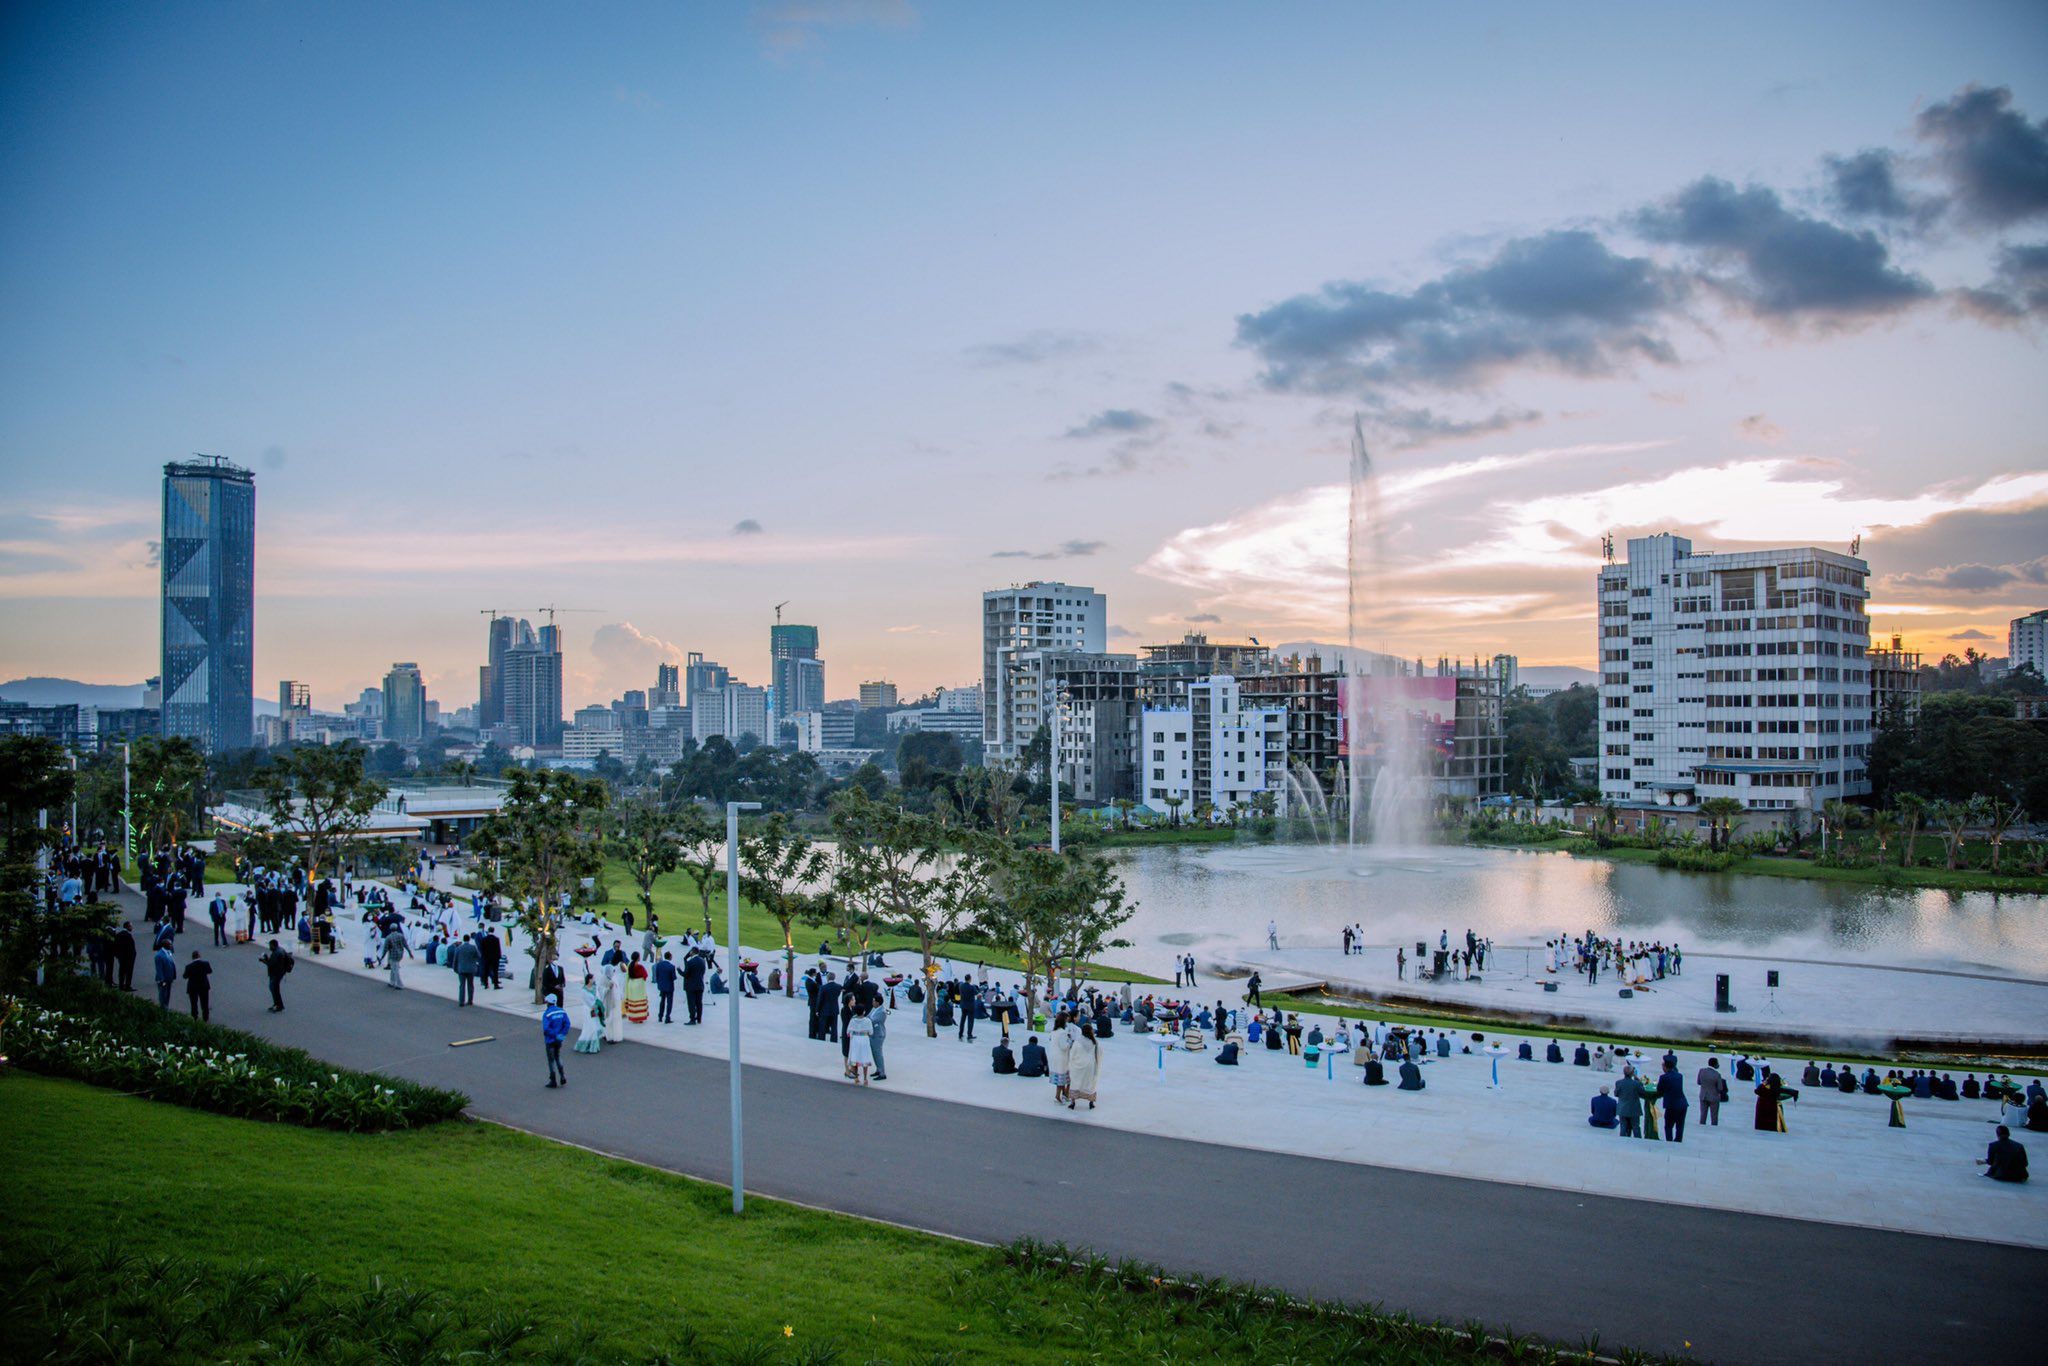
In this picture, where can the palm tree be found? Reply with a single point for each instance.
(2003, 813)
(1838, 816)
(1205, 813)
(1954, 819)
(1173, 805)
(1912, 814)
(1123, 807)
(1721, 814)
(1884, 828)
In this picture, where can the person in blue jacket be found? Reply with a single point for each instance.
(1606, 1111)
(166, 973)
(1671, 1101)
(554, 1027)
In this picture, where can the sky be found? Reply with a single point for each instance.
(669, 314)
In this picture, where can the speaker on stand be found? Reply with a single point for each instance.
(1721, 1005)
(1771, 992)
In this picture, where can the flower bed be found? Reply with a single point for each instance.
(86, 1032)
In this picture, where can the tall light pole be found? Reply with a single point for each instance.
(127, 819)
(1052, 769)
(732, 993)
(74, 799)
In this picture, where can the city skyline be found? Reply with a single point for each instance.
(508, 324)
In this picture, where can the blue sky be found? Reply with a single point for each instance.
(515, 304)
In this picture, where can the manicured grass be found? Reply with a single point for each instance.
(609, 1260)
(1772, 865)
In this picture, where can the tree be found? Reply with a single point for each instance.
(165, 774)
(538, 847)
(1050, 909)
(893, 861)
(699, 842)
(643, 836)
(1954, 819)
(322, 796)
(1173, 806)
(782, 869)
(35, 785)
(1837, 816)
(1884, 828)
(1721, 814)
(1124, 805)
(2002, 814)
(1912, 815)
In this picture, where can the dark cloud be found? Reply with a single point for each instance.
(1113, 422)
(1996, 161)
(1033, 348)
(1122, 633)
(1067, 550)
(1560, 301)
(1975, 578)
(747, 526)
(1973, 634)
(2018, 290)
(1412, 427)
(1757, 427)
(2010, 535)
(1866, 185)
(1779, 264)
(1205, 617)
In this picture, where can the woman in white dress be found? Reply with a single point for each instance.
(860, 1057)
(614, 1005)
(1062, 1041)
(1084, 1067)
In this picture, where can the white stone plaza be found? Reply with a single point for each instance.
(1839, 1162)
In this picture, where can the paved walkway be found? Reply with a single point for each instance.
(1720, 1284)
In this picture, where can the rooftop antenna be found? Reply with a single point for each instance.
(1607, 547)
(1856, 545)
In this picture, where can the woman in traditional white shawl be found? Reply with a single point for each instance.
(1084, 1067)
(614, 1004)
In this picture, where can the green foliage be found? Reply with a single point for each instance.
(35, 778)
(1054, 910)
(643, 837)
(166, 780)
(717, 772)
(783, 870)
(1693, 859)
(321, 797)
(536, 850)
(75, 1027)
(1542, 734)
(1963, 744)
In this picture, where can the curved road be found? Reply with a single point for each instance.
(1736, 1287)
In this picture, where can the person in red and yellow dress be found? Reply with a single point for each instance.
(636, 991)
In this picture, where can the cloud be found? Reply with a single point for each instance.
(1033, 348)
(1757, 427)
(1559, 301)
(625, 657)
(1974, 578)
(799, 25)
(1995, 160)
(913, 630)
(1205, 617)
(1777, 264)
(1122, 633)
(2018, 290)
(1972, 634)
(1410, 428)
(747, 526)
(1866, 185)
(1066, 550)
(1112, 422)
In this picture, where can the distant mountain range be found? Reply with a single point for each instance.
(56, 692)
(1538, 676)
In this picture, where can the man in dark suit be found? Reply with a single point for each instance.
(811, 999)
(1629, 1093)
(1553, 1053)
(693, 986)
(665, 988)
(1032, 1062)
(2004, 1160)
(1713, 1090)
(828, 1009)
(124, 954)
(199, 986)
(965, 997)
(1671, 1100)
(491, 954)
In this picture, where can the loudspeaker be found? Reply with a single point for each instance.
(1721, 994)
(1771, 979)
(1627, 993)
(1550, 986)
(1421, 950)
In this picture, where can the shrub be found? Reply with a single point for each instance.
(79, 1029)
(1693, 859)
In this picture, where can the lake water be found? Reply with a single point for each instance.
(1215, 896)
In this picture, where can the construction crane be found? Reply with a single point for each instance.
(778, 610)
(552, 610)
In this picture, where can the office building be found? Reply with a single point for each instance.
(961, 725)
(959, 699)
(791, 648)
(877, 693)
(584, 744)
(61, 722)
(1033, 616)
(1894, 684)
(1169, 669)
(529, 683)
(701, 675)
(208, 557)
(294, 699)
(1213, 750)
(818, 731)
(668, 687)
(1739, 675)
(504, 635)
(405, 704)
(806, 678)
(2026, 642)
(733, 711)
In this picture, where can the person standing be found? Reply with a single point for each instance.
(1191, 970)
(1671, 1101)
(124, 954)
(591, 1039)
(1400, 965)
(217, 912)
(614, 1004)
(1628, 1093)
(199, 987)
(968, 995)
(466, 959)
(490, 956)
(1251, 993)
(1713, 1090)
(860, 1056)
(166, 973)
(878, 1032)
(693, 986)
(395, 949)
(1084, 1068)
(1770, 1114)
(1062, 1056)
(1272, 942)
(276, 963)
(554, 1027)
(665, 989)
(635, 1004)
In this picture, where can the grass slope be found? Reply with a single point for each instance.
(620, 1260)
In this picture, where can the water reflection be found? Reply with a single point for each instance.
(1218, 895)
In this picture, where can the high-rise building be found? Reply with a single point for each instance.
(1169, 669)
(1210, 748)
(531, 693)
(502, 636)
(294, 699)
(701, 675)
(732, 711)
(2026, 642)
(405, 704)
(877, 693)
(1739, 675)
(797, 689)
(1894, 684)
(209, 602)
(668, 687)
(1033, 616)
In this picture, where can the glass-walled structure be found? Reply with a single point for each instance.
(209, 602)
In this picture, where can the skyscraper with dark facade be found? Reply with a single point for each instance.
(209, 602)
(797, 689)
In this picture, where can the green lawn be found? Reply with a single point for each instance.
(607, 1259)
(1772, 865)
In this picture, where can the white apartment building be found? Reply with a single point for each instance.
(960, 699)
(1740, 675)
(962, 725)
(2026, 642)
(1213, 749)
(732, 711)
(819, 731)
(1035, 616)
(582, 744)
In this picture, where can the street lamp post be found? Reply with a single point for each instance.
(1052, 770)
(732, 994)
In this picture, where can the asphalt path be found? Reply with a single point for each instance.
(1564, 1265)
